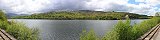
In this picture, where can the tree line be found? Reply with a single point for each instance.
(80, 15)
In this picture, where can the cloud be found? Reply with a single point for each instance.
(107, 5)
(148, 7)
(70, 4)
(153, 2)
(139, 0)
(22, 6)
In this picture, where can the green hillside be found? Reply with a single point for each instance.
(82, 15)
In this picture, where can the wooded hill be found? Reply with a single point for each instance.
(82, 15)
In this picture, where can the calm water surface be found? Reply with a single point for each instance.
(69, 29)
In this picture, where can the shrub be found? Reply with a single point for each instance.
(124, 31)
(88, 35)
(121, 32)
(139, 29)
(21, 32)
(17, 29)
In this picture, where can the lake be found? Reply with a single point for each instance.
(69, 29)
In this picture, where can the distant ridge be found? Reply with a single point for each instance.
(83, 15)
(9, 15)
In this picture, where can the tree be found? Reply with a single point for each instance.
(2, 16)
(157, 14)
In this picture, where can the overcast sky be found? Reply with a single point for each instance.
(147, 7)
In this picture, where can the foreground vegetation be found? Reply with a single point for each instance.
(18, 30)
(124, 31)
(83, 15)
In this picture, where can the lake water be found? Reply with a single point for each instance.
(69, 29)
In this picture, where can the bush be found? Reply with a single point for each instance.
(139, 29)
(18, 30)
(124, 31)
(88, 35)
(21, 32)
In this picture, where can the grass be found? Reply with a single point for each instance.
(21, 32)
(125, 31)
(18, 29)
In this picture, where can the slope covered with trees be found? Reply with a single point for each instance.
(82, 15)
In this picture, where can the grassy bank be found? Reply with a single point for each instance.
(18, 30)
(124, 31)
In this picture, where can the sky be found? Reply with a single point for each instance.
(145, 7)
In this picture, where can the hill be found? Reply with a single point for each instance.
(82, 15)
(9, 15)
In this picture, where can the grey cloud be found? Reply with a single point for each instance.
(81, 4)
(75, 5)
(68, 5)
(116, 7)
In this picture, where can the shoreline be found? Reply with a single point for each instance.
(82, 19)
